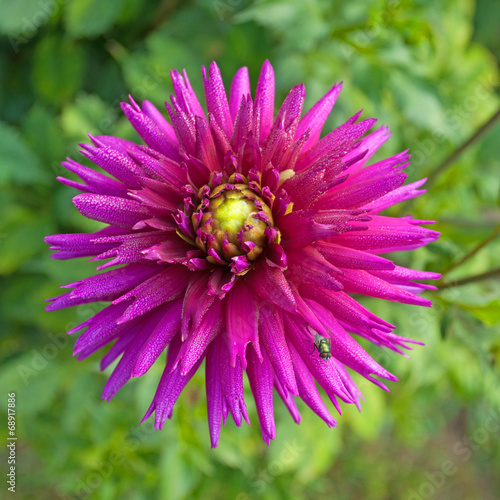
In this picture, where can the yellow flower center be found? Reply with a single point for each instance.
(232, 213)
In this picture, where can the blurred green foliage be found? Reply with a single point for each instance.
(430, 71)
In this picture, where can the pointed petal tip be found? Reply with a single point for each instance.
(136, 373)
(389, 376)
(245, 414)
(267, 67)
(133, 103)
(213, 70)
(243, 69)
(145, 417)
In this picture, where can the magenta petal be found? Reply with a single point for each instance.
(339, 142)
(123, 370)
(160, 167)
(269, 284)
(243, 124)
(70, 246)
(289, 114)
(324, 372)
(359, 194)
(261, 377)
(272, 333)
(370, 143)
(118, 164)
(403, 277)
(231, 376)
(123, 341)
(130, 249)
(240, 87)
(205, 146)
(384, 234)
(184, 124)
(154, 114)
(345, 349)
(214, 392)
(276, 257)
(288, 400)
(111, 210)
(358, 281)
(398, 195)
(220, 282)
(185, 93)
(307, 389)
(121, 145)
(264, 103)
(216, 99)
(103, 287)
(101, 328)
(306, 187)
(196, 304)
(165, 286)
(367, 185)
(152, 128)
(241, 322)
(95, 182)
(173, 252)
(348, 258)
(303, 227)
(349, 384)
(307, 265)
(149, 131)
(316, 117)
(346, 309)
(167, 327)
(200, 337)
(171, 385)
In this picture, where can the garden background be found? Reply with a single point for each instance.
(427, 69)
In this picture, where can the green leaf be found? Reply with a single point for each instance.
(21, 243)
(488, 313)
(88, 114)
(21, 20)
(19, 163)
(41, 128)
(58, 69)
(35, 378)
(90, 18)
(419, 102)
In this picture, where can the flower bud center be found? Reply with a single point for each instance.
(232, 214)
(233, 225)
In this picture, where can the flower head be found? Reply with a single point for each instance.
(240, 238)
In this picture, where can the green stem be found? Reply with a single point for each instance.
(471, 140)
(471, 279)
(473, 252)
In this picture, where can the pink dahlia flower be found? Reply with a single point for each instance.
(240, 239)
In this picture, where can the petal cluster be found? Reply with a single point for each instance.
(241, 237)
